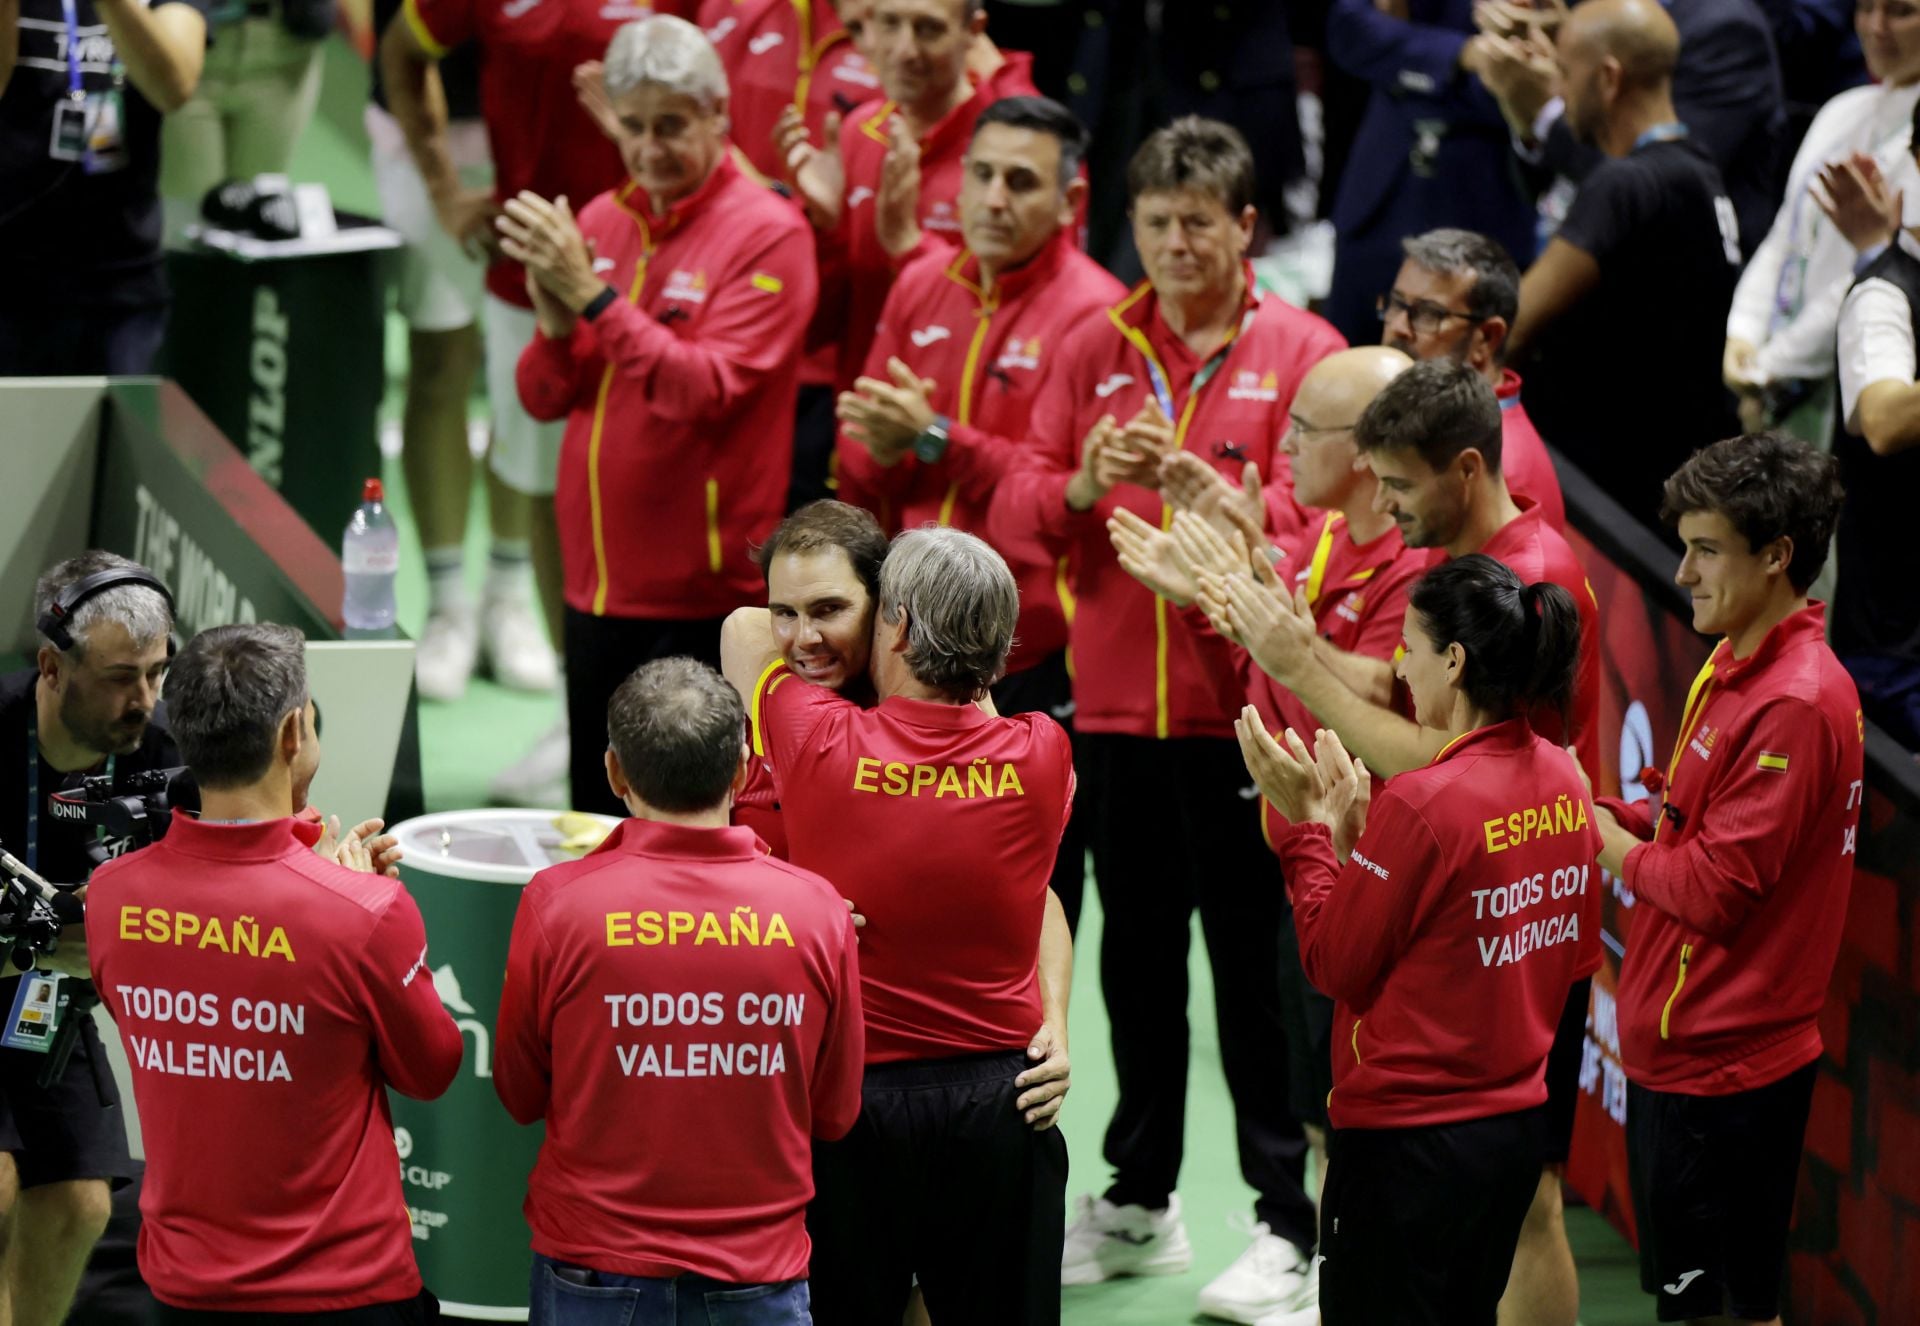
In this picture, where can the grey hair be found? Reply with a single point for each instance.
(961, 604)
(669, 52)
(677, 728)
(227, 694)
(1452, 252)
(142, 611)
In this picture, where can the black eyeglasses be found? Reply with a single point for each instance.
(1424, 316)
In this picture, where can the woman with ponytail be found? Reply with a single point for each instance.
(1445, 916)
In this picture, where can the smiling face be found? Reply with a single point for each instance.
(1889, 32)
(1729, 582)
(919, 49)
(822, 616)
(1011, 202)
(669, 141)
(1428, 505)
(1189, 243)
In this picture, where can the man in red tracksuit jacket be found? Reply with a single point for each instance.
(868, 216)
(681, 976)
(670, 347)
(268, 998)
(1740, 885)
(984, 324)
(1193, 360)
(793, 57)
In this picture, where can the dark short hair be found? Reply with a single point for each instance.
(676, 726)
(227, 694)
(1451, 252)
(825, 524)
(1194, 153)
(1768, 485)
(1042, 115)
(1522, 641)
(1439, 409)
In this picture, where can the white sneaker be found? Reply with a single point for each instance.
(1270, 1276)
(1105, 1241)
(514, 639)
(445, 657)
(1306, 1309)
(539, 779)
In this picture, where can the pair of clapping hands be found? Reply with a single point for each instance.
(363, 847)
(1215, 555)
(1323, 786)
(1512, 53)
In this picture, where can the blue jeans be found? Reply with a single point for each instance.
(567, 1295)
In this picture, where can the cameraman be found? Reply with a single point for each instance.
(267, 999)
(91, 705)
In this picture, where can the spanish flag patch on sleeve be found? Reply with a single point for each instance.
(1773, 760)
(773, 285)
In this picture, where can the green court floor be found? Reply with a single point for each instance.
(464, 744)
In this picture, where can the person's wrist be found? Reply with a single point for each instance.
(1081, 493)
(591, 302)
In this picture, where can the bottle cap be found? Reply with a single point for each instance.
(373, 491)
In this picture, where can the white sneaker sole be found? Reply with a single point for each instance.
(1174, 1263)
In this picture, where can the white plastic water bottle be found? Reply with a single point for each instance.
(370, 556)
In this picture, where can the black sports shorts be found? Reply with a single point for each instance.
(1713, 1180)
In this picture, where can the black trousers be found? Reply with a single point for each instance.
(1418, 1225)
(1172, 832)
(602, 652)
(58, 341)
(814, 431)
(1046, 688)
(940, 1177)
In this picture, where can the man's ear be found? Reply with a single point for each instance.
(48, 660)
(1071, 198)
(1472, 464)
(293, 732)
(1779, 555)
(1493, 335)
(741, 773)
(617, 777)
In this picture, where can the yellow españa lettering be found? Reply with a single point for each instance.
(239, 937)
(740, 928)
(981, 778)
(1563, 815)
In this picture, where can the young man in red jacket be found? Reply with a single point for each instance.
(893, 171)
(311, 997)
(1456, 297)
(1434, 440)
(1194, 360)
(681, 976)
(1740, 885)
(958, 361)
(669, 319)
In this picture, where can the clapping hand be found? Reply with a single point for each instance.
(544, 238)
(896, 215)
(1322, 787)
(1854, 194)
(1273, 625)
(885, 417)
(1152, 557)
(363, 848)
(817, 173)
(1189, 483)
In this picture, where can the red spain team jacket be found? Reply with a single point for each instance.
(1449, 938)
(856, 272)
(1140, 669)
(679, 984)
(989, 354)
(678, 399)
(1523, 455)
(268, 999)
(781, 53)
(1740, 896)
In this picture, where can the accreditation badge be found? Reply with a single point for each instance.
(106, 132)
(36, 1013)
(69, 130)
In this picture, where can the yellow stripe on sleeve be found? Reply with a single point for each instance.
(761, 689)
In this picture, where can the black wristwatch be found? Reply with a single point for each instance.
(931, 443)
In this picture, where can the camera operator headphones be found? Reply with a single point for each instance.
(56, 622)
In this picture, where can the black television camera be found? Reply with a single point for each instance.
(134, 818)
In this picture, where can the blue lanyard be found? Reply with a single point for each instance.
(73, 60)
(1164, 392)
(1659, 133)
(33, 777)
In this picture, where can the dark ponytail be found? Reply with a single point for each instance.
(1522, 641)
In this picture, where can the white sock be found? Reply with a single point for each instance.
(509, 569)
(446, 579)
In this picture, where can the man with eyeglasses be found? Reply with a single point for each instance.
(1455, 298)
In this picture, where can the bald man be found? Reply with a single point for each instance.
(1622, 315)
(1352, 571)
